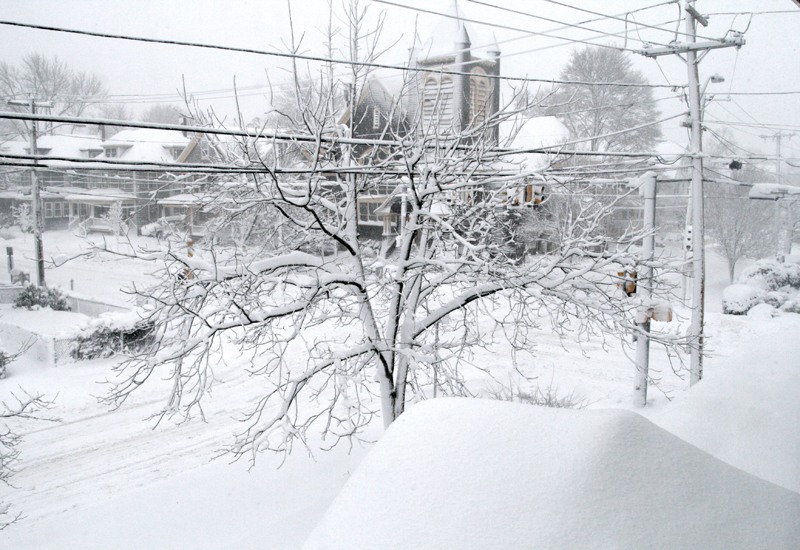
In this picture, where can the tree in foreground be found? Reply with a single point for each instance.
(342, 324)
(25, 407)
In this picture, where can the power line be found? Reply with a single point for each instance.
(509, 28)
(602, 16)
(370, 64)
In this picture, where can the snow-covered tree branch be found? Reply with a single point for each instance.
(360, 283)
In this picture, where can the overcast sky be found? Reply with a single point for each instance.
(142, 74)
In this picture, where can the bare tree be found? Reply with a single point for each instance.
(50, 79)
(592, 110)
(741, 228)
(113, 111)
(162, 113)
(26, 406)
(390, 252)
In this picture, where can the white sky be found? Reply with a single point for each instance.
(149, 73)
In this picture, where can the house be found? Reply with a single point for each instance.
(450, 94)
(81, 195)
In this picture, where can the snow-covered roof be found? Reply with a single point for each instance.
(478, 473)
(186, 199)
(533, 133)
(63, 146)
(100, 196)
(147, 144)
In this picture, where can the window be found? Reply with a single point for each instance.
(376, 118)
(48, 210)
(112, 152)
(57, 210)
(478, 96)
(437, 104)
(367, 214)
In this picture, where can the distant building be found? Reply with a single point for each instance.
(82, 177)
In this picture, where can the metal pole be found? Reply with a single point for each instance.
(698, 262)
(644, 285)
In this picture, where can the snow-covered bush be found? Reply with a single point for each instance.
(5, 359)
(762, 311)
(23, 217)
(738, 299)
(33, 296)
(770, 275)
(109, 334)
(791, 306)
(768, 282)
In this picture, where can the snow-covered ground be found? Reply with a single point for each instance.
(102, 478)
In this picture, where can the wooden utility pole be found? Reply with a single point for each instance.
(36, 206)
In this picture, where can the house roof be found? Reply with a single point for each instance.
(532, 133)
(147, 144)
(65, 146)
(100, 196)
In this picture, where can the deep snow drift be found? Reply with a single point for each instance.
(458, 473)
(103, 479)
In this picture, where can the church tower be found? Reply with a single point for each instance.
(457, 92)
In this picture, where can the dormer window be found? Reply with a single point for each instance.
(112, 152)
(175, 152)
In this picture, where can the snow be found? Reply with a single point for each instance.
(103, 478)
(458, 473)
(448, 32)
(42, 321)
(739, 298)
(772, 191)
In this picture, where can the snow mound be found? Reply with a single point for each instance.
(762, 311)
(453, 473)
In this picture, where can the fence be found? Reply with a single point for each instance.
(48, 349)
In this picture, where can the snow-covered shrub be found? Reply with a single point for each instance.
(33, 296)
(109, 334)
(547, 397)
(775, 299)
(791, 305)
(739, 298)
(762, 311)
(23, 217)
(770, 274)
(5, 359)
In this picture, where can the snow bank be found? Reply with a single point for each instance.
(745, 411)
(454, 473)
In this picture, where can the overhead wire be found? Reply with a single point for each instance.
(286, 55)
(602, 16)
(507, 27)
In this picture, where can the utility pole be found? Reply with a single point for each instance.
(36, 207)
(690, 49)
(644, 285)
(786, 226)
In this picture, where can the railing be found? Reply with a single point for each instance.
(98, 225)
